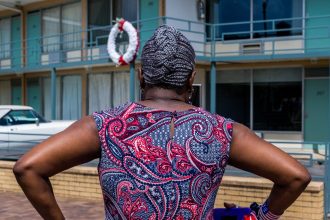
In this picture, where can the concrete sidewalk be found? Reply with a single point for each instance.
(15, 206)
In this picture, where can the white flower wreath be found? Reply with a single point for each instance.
(133, 44)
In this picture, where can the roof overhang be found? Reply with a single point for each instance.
(15, 5)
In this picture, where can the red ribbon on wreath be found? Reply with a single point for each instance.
(121, 24)
(122, 61)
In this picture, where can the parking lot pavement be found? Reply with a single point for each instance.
(15, 206)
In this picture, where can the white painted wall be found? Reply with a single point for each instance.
(186, 10)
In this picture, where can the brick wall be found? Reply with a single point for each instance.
(7, 178)
(83, 182)
(75, 182)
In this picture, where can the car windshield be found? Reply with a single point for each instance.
(17, 117)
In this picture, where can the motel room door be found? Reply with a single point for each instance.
(16, 41)
(33, 38)
(148, 9)
(34, 94)
(317, 110)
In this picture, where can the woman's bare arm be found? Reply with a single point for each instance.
(251, 153)
(77, 144)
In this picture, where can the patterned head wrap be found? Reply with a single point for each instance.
(167, 58)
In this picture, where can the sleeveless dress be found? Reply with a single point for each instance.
(147, 173)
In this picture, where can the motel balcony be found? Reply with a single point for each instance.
(305, 38)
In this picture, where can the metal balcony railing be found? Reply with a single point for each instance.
(294, 38)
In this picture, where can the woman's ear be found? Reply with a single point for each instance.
(192, 78)
(140, 75)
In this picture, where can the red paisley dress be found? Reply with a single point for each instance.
(147, 173)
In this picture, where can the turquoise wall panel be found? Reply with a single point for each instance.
(33, 93)
(148, 9)
(16, 41)
(33, 38)
(317, 110)
(317, 29)
(16, 94)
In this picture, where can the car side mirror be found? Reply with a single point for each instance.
(37, 121)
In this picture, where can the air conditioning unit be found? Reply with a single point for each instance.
(55, 57)
(103, 52)
(5, 64)
(251, 48)
(73, 56)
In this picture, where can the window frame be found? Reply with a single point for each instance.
(112, 20)
(61, 41)
(42, 29)
(3, 55)
(210, 19)
(251, 72)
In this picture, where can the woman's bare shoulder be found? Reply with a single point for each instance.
(77, 144)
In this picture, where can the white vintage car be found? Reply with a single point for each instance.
(21, 127)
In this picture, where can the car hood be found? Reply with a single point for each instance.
(61, 122)
(44, 128)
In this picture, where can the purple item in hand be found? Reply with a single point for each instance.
(231, 214)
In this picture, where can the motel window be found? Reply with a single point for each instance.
(5, 38)
(61, 27)
(228, 11)
(51, 29)
(96, 22)
(10, 92)
(277, 99)
(68, 97)
(71, 96)
(47, 98)
(71, 26)
(233, 95)
(242, 19)
(120, 11)
(110, 10)
(106, 90)
(275, 95)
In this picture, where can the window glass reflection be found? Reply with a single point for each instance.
(283, 11)
(233, 99)
(236, 19)
(229, 11)
(277, 99)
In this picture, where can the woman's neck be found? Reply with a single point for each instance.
(160, 94)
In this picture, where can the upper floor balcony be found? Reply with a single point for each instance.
(283, 39)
